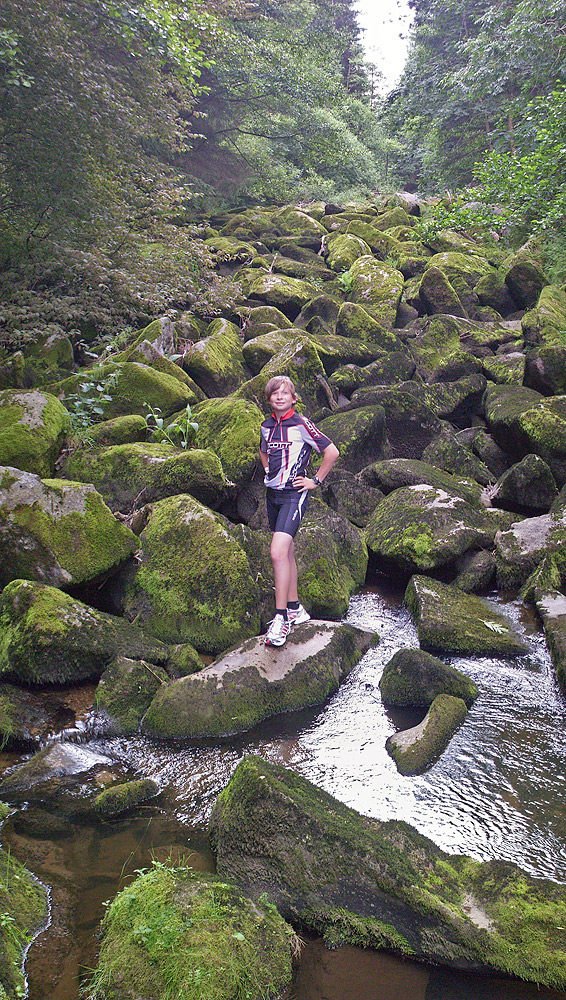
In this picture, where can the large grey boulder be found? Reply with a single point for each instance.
(415, 750)
(255, 681)
(520, 549)
(32, 430)
(381, 884)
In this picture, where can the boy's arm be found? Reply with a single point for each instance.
(329, 456)
(264, 459)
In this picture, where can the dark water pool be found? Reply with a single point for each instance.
(495, 793)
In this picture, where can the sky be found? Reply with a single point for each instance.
(384, 21)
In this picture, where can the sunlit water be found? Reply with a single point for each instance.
(496, 792)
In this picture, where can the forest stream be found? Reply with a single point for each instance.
(495, 793)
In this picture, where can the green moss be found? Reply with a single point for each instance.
(216, 363)
(413, 677)
(190, 936)
(32, 427)
(135, 386)
(416, 750)
(231, 428)
(119, 799)
(23, 911)
(125, 691)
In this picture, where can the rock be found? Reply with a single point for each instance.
(388, 370)
(447, 453)
(358, 434)
(25, 910)
(119, 430)
(319, 315)
(57, 532)
(545, 324)
(377, 286)
(32, 429)
(409, 424)
(133, 388)
(542, 430)
(292, 220)
(492, 456)
(28, 720)
(449, 621)
(49, 637)
(504, 406)
(125, 692)
(124, 797)
(545, 371)
(491, 290)
(228, 250)
(301, 362)
(437, 339)
(36, 778)
(524, 277)
(527, 487)
(351, 497)
(380, 884)
(508, 369)
(551, 606)
(395, 473)
(12, 371)
(261, 319)
(217, 362)
(186, 932)
(230, 428)
(255, 681)
(332, 560)
(421, 528)
(415, 750)
(476, 571)
(194, 582)
(415, 678)
(343, 249)
(259, 351)
(434, 294)
(355, 321)
(128, 475)
(457, 365)
(459, 402)
(335, 351)
(289, 295)
(522, 547)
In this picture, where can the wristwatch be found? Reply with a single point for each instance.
(317, 481)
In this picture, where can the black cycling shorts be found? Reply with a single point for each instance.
(285, 509)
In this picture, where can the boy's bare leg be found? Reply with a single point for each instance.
(284, 568)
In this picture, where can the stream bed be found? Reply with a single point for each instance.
(495, 793)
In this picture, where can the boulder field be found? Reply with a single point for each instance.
(135, 547)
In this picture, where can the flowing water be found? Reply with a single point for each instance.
(496, 792)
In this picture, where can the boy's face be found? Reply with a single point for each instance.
(282, 399)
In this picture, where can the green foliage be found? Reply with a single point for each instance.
(86, 406)
(180, 433)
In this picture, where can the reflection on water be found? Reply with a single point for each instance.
(495, 793)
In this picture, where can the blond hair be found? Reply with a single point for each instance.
(277, 381)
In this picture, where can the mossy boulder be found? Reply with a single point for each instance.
(436, 340)
(194, 582)
(394, 473)
(450, 621)
(188, 934)
(545, 371)
(446, 452)
(229, 250)
(335, 350)
(457, 365)
(504, 406)
(299, 360)
(332, 559)
(285, 293)
(122, 798)
(493, 458)
(293, 221)
(216, 363)
(388, 370)
(146, 472)
(381, 884)
(380, 243)
(342, 249)
(261, 319)
(119, 430)
(524, 277)
(355, 321)
(506, 369)
(409, 423)
(358, 434)
(231, 428)
(25, 910)
(132, 388)
(378, 287)
(32, 430)
(415, 750)
(351, 496)
(526, 488)
(542, 430)
(415, 678)
(48, 637)
(520, 549)
(492, 291)
(24, 718)
(255, 681)
(545, 324)
(433, 294)
(124, 693)
(423, 528)
(319, 315)
(57, 532)
(260, 350)
(476, 571)
(551, 606)
(459, 401)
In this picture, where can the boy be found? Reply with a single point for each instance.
(287, 440)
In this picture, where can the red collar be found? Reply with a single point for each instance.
(289, 413)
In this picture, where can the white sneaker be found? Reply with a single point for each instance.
(298, 616)
(277, 632)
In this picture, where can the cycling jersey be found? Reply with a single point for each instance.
(288, 443)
